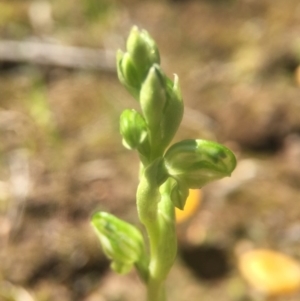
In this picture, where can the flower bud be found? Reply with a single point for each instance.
(173, 112)
(198, 162)
(121, 242)
(142, 50)
(153, 97)
(133, 128)
(128, 74)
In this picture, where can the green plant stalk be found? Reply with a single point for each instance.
(157, 213)
(156, 290)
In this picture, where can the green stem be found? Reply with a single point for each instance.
(157, 213)
(155, 290)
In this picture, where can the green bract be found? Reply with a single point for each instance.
(121, 242)
(179, 194)
(198, 162)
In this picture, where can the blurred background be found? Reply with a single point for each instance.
(61, 156)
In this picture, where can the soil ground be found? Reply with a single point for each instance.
(61, 156)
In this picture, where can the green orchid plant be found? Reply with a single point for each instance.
(166, 172)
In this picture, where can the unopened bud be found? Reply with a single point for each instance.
(173, 112)
(121, 242)
(128, 74)
(133, 129)
(153, 97)
(142, 50)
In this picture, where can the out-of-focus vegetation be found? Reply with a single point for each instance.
(61, 156)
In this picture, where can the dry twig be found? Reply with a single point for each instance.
(57, 55)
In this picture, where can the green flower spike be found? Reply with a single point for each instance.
(166, 175)
(198, 162)
(121, 242)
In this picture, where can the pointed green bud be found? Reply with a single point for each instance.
(128, 74)
(173, 112)
(142, 50)
(121, 242)
(198, 162)
(153, 97)
(133, 128)
(179, 194)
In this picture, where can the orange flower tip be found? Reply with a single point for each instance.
(192, 203)
(270, 272)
